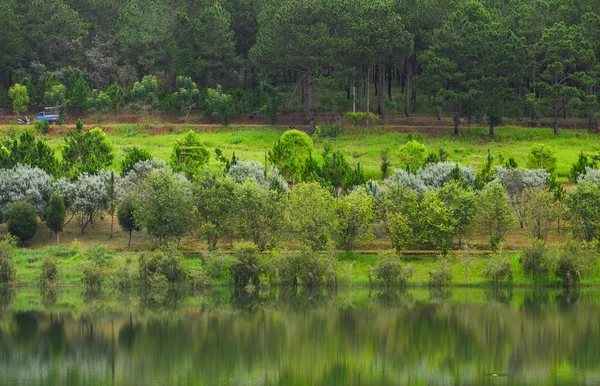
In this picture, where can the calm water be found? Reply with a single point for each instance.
(347, 337)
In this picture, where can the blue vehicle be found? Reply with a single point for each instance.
(50, 114)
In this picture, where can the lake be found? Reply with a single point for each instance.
(350, 336)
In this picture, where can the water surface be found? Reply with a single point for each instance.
(343, 337)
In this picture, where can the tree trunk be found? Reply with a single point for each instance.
(309, 111)
(112, 221)
(129, 241)
(456, 123)
(556, 112)
(492, 129)
(390, 78)
(380, 86)
(407, 75)
(58, 238)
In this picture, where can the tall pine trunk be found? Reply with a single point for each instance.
(380, 87)
(309, 111)
(407, 75)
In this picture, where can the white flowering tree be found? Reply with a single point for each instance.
(25, 183)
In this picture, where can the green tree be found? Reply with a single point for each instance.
(356, 213)
(187, 96)
(125, 217)
(55, 215)
(87, 152)
(259, 212)
(20, 98)
(540, 211)
(494, 213)
(219, 104)
(28, 149)
(583, 210)
(412, 156)
(146, 92)
(290, 152)
(189, 154)
(7, 268)
(216, 205)
(310, 214)
(273, 105)
(541, 157)
(132, 157)
(78, 97)
(56, 96)
(22, 221)
(164, 206)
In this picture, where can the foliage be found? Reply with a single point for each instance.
(245, 268)
(580, 167)
(310, 214)
(188, 95)
(408, 180)
(574, 261)
(42, 127)
(90, 198)
(434, 176)
(442, 275)
(132, 157)
(494, 214)
(219, 104)
(87, 152)
(49, 274)
(7, 268)
(536, 260)
(583, 210)
(145, 91)
(541, 157)
(259, 211)
(498, 270)
(189, 155)
(125, 217)
(100, 256)
(161, 263)
(215, 201)
(399, 230)
(27, 184)
(392, 272)
(412, 156)
(356, 214)
(20, 98)
(290, 152)
(22, 221)
(540, 210)
(92, 278)
(55, 214)
(56, 96)
(164, 206)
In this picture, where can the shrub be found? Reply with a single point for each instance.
(412, 156)
(536, 260)
(49, 274)
(92, 278)
(441, 276)
(392, 272)
(199, 278)
(161, 263)
(498, 270)
(7, 269)
(22, 221)
(125, 277)
(245, 268)
(399, 230)
(541, 157)
(308, 268)
(579, 168)
(216, 264)
(42, 126)
(573, 261)
(100, 256)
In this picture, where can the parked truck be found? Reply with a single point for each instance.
(50, 114)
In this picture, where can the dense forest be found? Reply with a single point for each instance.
(478, 61)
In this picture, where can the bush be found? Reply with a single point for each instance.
(536, 260)
(199, 278)
(42, 126)
(22, 221)
(245, 268)
(7, 268)
(164, 263)
(100, 256)
(392, 272)
(308, 268)
(49, 274)
(498, 270)
(216, 265)
(92, 279)
(541, 157)
(125, 277)
(573, 261)
(441, 276)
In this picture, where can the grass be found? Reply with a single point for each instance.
(252, 142)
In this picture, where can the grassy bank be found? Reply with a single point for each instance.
(251, 142)
(352, 269)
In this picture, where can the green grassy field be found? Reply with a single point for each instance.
(251, 142)
(352, 269)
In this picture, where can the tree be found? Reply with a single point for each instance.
(132, 157)
(145, 92)
(29, 149)
(55, 215)
(273, 105)
(494, 214)
(90, 198)
(290, 152)
(27, 184)
(20, 98)
(164, 206)
(412, 156)
(125, 217)
(356, 213)
(215, 201)
(400, 231)
(460, 202)
(563, 56)
(259, 211)
(56, 96)
(218, 104)
(310, 215)
(78, 97)
(187, 96)
(87, 152)
(583, 210)
(7, 268)
(541, 157)
(189, 154)
(22, 221)
(540, 211)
